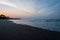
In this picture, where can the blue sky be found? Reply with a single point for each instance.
(32, 8)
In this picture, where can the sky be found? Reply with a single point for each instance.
(30, 8)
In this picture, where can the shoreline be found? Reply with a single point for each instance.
(44, 25)
(10, 30)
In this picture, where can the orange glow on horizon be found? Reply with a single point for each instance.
(14, 15)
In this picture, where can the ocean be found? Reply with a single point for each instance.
(49, 24)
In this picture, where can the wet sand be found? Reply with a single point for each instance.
(12, 31)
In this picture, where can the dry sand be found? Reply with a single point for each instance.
(12, 31)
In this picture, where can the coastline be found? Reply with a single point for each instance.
(10, 30)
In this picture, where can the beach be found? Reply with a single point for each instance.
(12, 31)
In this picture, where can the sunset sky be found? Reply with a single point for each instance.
(29, 8)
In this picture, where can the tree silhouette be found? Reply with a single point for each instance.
(3, 17)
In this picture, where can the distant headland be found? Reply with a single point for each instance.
(6, 17)
(3, 17)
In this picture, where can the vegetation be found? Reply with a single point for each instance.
(3, 17)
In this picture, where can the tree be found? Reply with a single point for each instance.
(3, 17)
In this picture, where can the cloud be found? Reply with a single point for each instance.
(20, 6)
(9, 4)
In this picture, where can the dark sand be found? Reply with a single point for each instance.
(12, 31)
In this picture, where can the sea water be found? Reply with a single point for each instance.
(53, 25)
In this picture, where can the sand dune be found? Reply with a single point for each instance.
(12, 31)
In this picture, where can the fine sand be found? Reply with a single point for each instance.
(12, 31)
